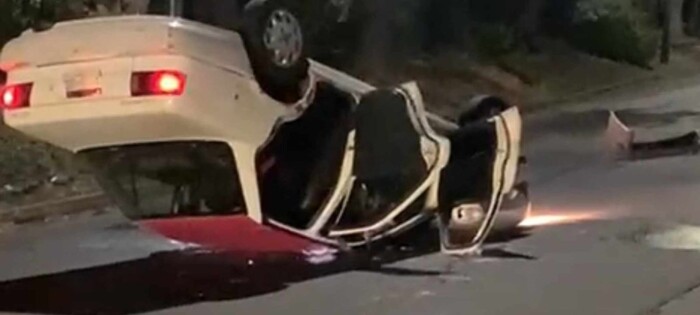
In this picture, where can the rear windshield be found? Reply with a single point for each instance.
(166, 180)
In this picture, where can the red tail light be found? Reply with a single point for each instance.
(15, 96)
(158, 83)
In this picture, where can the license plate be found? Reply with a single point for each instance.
(83, 83)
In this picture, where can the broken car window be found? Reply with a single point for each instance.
(170, 179)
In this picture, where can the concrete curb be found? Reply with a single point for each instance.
(65, 206)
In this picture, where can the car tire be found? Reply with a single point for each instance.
(273, 32)
(480, 108)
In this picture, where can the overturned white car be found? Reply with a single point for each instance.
(187, 142)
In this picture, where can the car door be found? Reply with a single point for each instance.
(395, 169)
(482, 168)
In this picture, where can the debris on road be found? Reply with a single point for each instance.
(320, 255)
(620, 142)
(20, 188)
(60, 180)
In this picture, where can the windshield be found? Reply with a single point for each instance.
(170, 179)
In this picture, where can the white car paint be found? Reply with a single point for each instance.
(222, 102)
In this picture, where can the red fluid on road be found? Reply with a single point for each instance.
(230, 233)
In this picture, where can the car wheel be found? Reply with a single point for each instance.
(480, 108)
(273, 32)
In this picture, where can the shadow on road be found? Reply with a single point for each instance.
(160, 281)
(178, 278)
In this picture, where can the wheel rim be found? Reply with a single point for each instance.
(283, 38)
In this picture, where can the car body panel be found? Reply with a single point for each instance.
(513, 122)
(468, 239)
(126, 119)
(123, 36)
(435, 151)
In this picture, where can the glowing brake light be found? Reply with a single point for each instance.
(158, 83)
(169, 83)
(15, 96)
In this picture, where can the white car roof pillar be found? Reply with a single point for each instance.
(247, 174)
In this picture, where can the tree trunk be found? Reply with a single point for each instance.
(677, 33)
(694, 18)
(529, 23)
(376, 39)
(666, 27)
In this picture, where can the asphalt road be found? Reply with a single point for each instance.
(614, 238)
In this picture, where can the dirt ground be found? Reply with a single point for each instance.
(554, 76)
(32, 171)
